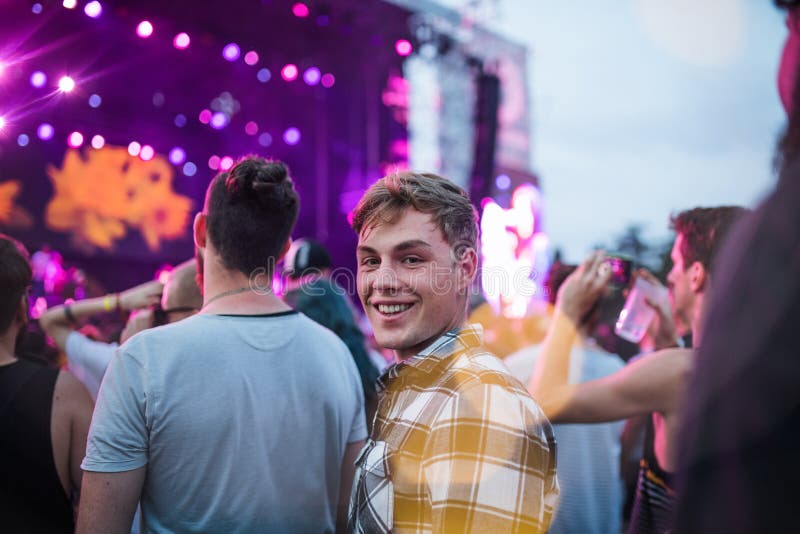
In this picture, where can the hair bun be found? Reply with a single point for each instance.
(266, 182)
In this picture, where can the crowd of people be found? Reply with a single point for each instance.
(227, 407)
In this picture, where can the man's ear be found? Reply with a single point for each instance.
(199, 230)
(698, 277)
(286, 248)
(22, 315)
(467, 266)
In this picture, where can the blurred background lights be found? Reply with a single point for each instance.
(75, 139)
(226, 163)
(251, 58)
(181, 41)
(36, 8)
(213, 163)
(159, 99)
(503, 182)
(70, 4)
(299, 9)
(312, 76)
(219, 120)
(144, 29)
(22, 140)
(323, 20)
(134, 148)
(251, 128)
(180, 120)
(66, 84)
(265, 139)
(95, 100)
(93, 9)
(264, 75)
(2, 122)
(2, 67)
(177, 155)
(291, 136)
(98, 142)
(328, 80)
(231, 52)
(403, 47)
(289, 72)
(45, 131)
(147, 152)
(38, 78)
(189, 169)
(205, 116)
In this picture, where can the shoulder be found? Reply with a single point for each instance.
(71, 394)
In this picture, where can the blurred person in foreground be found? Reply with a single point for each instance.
(44, 418)
(739, 463)
(591, 497)
(245, 417)
(458, 445)
(653, 385)
(311, 291)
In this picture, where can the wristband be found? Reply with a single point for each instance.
(107, 303)
(68, 314)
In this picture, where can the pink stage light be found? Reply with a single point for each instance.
(93, 9)
(45, 131)
(70, 4)
(147, 153)
(181, 41)
(205, 116)
(98, 142)
(328, 80)
(219, 120)
(291, 136)
(251, 128)
(2, 122)
(403, 47)
(213, 163)
(312, 76)
(66, 84)
(134, 148)
(231, 52)
(300, 10)
(177, 155)
(251, 58)
(289, 72)
(226, 163)
(144, 29)
(75, 139)
(38, 78)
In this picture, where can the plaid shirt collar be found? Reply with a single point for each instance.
(455, 341)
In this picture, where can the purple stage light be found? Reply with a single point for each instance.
(147, 153)
(36, 8)
(251, 128)
(189, 169)
(45, 131)
(312, 76)
(291, 136)
(134, 148)
(328, 80)
(300, 10)
(95, 100)
(38, 78)
(177, 155)
(251, 58)
(66, 84)
(205, 116)
(93, 9)
(213, 163)
(226, 163)
(22, 140)
(265, 139)
(69, 4)
(219, 120)
(144, 29)
(180, 120)
(98, 142)
(323, 20)
(264, 75)
(2, 122)
(231, 52)
(403, 47)
(289, 72)
(503, 182)
(75, 139)
(181, 41)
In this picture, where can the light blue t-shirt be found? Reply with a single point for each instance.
(587, 456)
(241, 422)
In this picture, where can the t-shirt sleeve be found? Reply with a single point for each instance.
(118, 436)
(88, 359)
(358, 427)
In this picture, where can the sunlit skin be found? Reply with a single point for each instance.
(412, 287)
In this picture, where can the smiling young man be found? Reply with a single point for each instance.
(458, 445)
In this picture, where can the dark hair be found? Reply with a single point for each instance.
(15, 277)
(703, 231)
(251, 212)
(558, 273)
(444, 201)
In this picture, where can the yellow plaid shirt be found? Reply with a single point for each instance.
(458, 445)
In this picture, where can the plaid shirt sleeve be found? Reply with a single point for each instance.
(489, 463)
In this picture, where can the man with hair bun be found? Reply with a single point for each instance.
(245, 417)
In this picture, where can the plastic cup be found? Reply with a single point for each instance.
(636, 315)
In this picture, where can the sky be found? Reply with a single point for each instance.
(642, 108)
